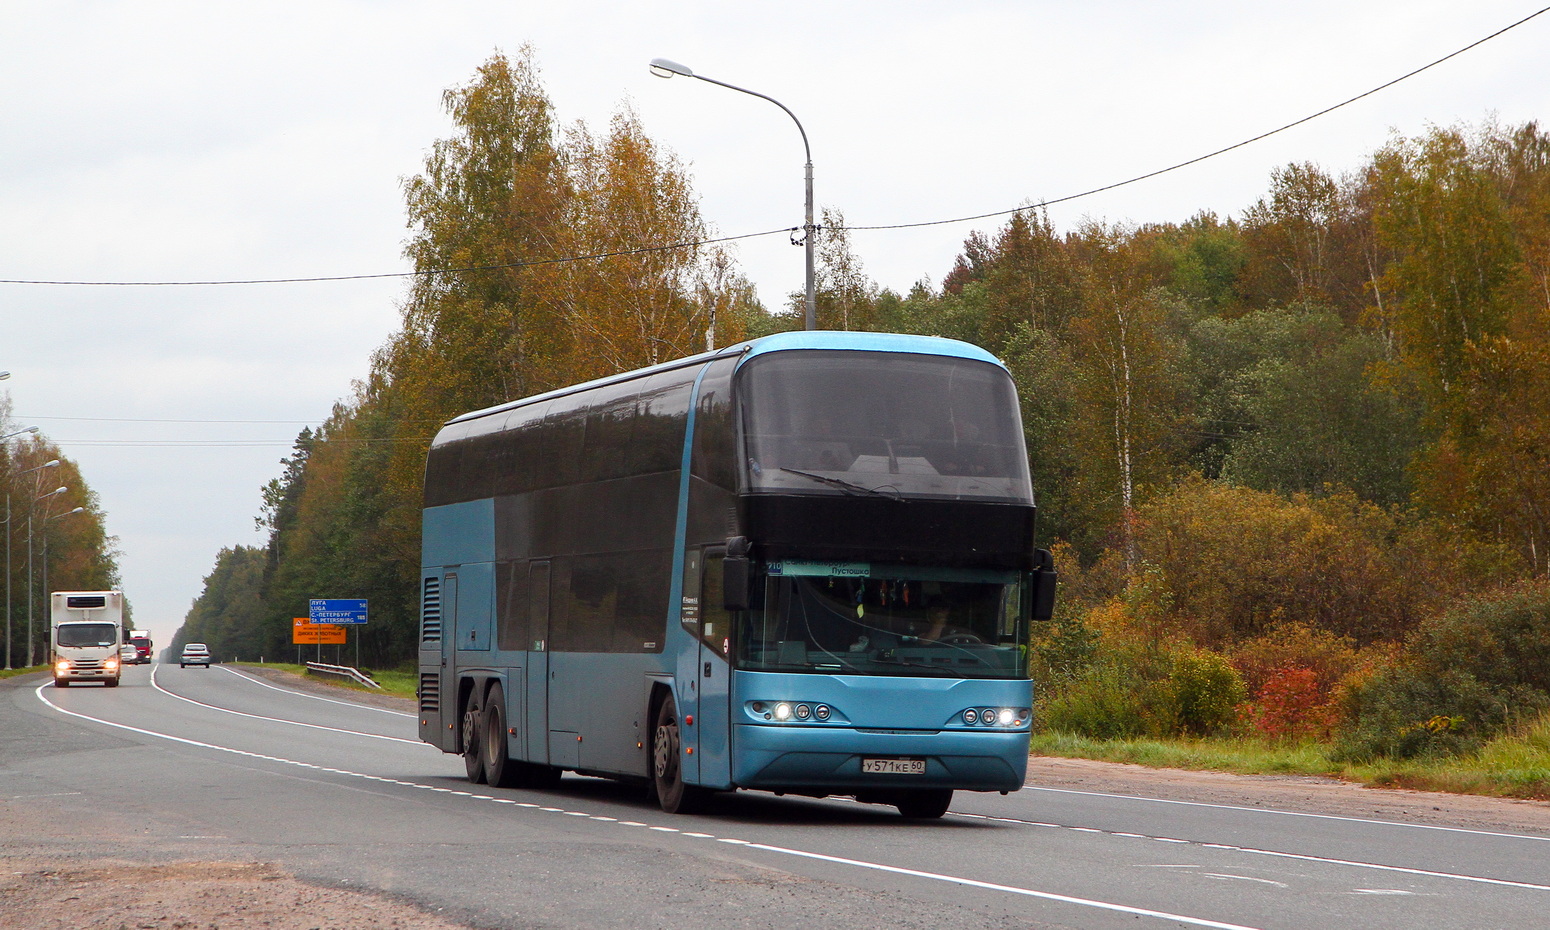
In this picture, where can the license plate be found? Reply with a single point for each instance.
(893, 766)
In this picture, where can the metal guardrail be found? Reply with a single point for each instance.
(343, 671)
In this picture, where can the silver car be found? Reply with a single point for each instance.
(195, 654)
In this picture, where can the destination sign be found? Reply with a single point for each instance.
(321, 610)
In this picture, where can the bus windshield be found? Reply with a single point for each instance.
(882, 423)
(88, 634)
(858, 619)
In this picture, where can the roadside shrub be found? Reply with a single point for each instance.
(1294, 673)
(1133, 688)
(1205, 692)
(1290, 705)
(1233, 562)
(1462, 680)
(1062, 648)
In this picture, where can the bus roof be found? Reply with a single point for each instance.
(779, 342)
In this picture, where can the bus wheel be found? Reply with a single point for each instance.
(924, 803)
(666, 773)
(473, 723)
(500, 770)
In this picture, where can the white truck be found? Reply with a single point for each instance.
(88, 628)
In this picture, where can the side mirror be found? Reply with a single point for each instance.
(735, 574)
(1041, 583)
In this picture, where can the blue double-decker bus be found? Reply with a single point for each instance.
(802, 564)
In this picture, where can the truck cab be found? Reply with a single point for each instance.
(87, 632)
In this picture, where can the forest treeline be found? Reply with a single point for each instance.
(1279, 456)
(54, 539)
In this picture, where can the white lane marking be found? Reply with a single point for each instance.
(29, 797)
(294, 723)
(1392, 891)
(1269, 810)
(1249, 850)
(1428, 873)
(857, 863)
(1244, 878)
(1008, 889)
(315, 697)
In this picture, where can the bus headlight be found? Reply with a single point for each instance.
(1005, 716)
(782, 711)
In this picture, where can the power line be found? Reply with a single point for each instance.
(1221, 151)
(423, 273)
(794, 229)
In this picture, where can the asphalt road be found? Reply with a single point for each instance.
(214, 764)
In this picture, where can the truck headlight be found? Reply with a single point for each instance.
(111, 664)
(62, 666)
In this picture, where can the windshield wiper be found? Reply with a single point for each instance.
(845, 485)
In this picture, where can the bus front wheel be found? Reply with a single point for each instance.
(924, 803)
(667, 778)
(473, 724)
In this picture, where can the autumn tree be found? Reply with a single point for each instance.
(1462, 213)
(1126, 381)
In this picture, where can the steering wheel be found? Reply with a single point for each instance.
(961, 639)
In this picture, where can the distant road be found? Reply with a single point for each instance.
(214, 764)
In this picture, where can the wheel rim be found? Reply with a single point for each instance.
(666, 751)
(470, 730)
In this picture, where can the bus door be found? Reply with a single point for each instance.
(714, 723)
(537, 703)
(702, 672)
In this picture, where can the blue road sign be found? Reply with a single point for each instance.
(326, 611)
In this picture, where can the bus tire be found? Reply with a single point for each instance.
(667, 779)
(924, 803)
(473, 727)
(500, 770)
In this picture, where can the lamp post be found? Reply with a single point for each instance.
(31, 508)
(50, 464)
(46, 522)
(665, 68)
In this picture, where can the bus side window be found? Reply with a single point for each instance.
(716, 628)
(512, 602)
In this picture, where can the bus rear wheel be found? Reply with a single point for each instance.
(473, 726)
(500, 770)
(924, 803)
(667, 779)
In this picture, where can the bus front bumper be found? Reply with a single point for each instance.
(835, 759)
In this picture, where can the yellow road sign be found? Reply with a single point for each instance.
(305, 632)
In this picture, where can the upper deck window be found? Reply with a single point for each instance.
(889, 423)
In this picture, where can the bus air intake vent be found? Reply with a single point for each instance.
(430, 693)
(430, 612)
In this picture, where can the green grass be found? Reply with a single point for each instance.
(1512, 766)
(397, 682)
(13, 672)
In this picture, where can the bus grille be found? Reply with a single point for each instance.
(430, 612)
(430, 693)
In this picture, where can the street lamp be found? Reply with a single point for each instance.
(30, 509)
(30, 429)
(46, 522)
(665, 68)
(50, 464)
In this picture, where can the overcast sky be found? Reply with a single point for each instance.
(173, 141)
